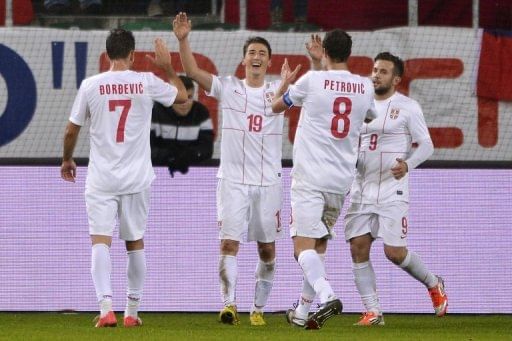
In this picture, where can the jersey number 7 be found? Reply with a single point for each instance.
(341, 115)
(126, 104)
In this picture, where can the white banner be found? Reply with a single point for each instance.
(41, 69)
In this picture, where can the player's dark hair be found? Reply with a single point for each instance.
(258, 40)
(187, 81)
(338, 45)
(120, 43)
(398, 64)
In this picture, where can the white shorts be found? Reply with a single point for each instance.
(130, 209)
(314, 213)
(251, 210)
(386, 221)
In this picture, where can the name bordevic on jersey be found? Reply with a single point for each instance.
(400, 122)
(119, 105)
(251, 140)
(334, 105)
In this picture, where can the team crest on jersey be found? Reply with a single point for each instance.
(269, 96)
(394, 113)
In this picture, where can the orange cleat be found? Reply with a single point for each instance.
(130, 321)
(439, 298)
(370, 319)
(108, 320)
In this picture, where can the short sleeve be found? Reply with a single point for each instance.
(160, 91)
(216, 89)
(298, 91)
(80, 109)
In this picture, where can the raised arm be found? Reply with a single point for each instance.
(280, 103)
(315, 51)
(163, 60)
(182, 27)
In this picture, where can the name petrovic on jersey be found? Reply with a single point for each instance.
(357, 88)
(121, 89)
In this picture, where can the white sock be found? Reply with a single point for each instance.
(314, 272)
(228, 274)
(264, 281)
(307, 296)
(136, 273)
(105, 306)
(415, 267)
(101, 267)
(364, 277)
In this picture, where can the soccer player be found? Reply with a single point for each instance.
(334, 104)
(119, 103)
(249, 187)
(380, 192)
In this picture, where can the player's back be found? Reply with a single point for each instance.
(120, 104)
(335, 104)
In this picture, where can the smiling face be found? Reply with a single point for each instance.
(256, 60)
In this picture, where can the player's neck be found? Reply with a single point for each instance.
(119, 65)
(336, 66)
(385, 96)
(254, 81)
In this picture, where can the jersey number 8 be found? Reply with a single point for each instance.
(341, 115)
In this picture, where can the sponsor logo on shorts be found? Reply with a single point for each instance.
(399, 192)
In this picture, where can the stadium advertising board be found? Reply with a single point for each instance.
(41, 70)
(459, 224)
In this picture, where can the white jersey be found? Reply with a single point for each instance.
(119, 104)
(335, 104)
(400, 122)
(251, 142)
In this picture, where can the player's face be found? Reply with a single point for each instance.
(384, 80)
(184, 108)
(256, 59)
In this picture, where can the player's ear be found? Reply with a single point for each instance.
(396, 80)
(269, 63)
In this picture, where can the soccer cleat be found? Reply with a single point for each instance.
(294, 320)
(327, 310)
(108, 320)
(439, 298)
(370, 319)
(229, 315)
(257, 319)
(130, 321)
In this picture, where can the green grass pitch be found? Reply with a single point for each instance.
(204, 326)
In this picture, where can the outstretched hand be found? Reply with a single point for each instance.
(314, 47)
(181, 26)
(287, 75)
(162, 57)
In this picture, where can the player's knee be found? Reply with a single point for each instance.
(266, 251)
(359, 250)
(395, 254)
(229, 247)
